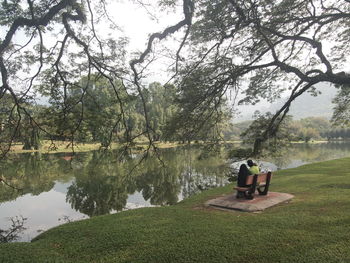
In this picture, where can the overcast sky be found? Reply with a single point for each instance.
(138, 22)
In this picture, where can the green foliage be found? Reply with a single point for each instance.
(89, 112)
(241, 33)
(311, 128)
(341, 114)
(17, 124)
(262, 44)
(199, 116)
(318, 123)
(240, 153)
(161, 107)
(337, 134)
(97, 114)
(308, 133)
(29, 132)
(8, 125)
(277, 136)
(10, 9)
(263, 50)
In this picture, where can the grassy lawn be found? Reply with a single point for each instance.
(313, 227)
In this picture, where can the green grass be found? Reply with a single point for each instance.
(313, 227)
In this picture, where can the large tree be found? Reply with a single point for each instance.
(53, 44)
(266, 48)
(261, 48)
(341, 114)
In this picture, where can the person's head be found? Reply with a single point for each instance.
(250, 163)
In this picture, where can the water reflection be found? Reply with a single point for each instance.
(299, 154)
(99, 183)
(99, 186)
(13, 233)
(56, 186)
(30, 173)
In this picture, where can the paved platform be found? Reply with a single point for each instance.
(259, 203)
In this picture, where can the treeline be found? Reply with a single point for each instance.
(306, 129)
(337, 134)
(104, 113)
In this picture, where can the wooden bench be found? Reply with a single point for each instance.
(260, 182)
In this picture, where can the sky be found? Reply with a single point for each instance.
(137, 23)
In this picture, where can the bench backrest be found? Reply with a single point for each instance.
(261, 178)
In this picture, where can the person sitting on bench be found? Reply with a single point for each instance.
(241, 179)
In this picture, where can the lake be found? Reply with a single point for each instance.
(59, 188)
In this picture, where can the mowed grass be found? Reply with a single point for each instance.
(313, 227)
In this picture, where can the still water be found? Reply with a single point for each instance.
(58, 188)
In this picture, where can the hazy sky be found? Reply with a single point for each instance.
(138, 22)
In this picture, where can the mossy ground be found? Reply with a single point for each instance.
(313, 227)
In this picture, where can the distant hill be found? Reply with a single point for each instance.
(304, 106)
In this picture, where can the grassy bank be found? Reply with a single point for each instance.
(64, 146)
(313, 227)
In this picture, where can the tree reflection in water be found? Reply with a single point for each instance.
(30, 173)
(13, 232)
(104, 184)
(100, 186)
(308, 153)
(101, 182)
(158, 181)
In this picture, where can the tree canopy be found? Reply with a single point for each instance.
(257, 48)
(341, 114)
(271, 47)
